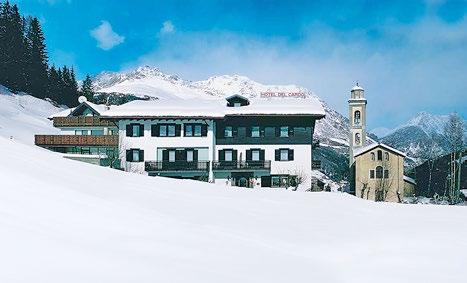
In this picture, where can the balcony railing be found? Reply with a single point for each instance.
(161, 166)
(81, 121)
(76, 140)
(241, 165)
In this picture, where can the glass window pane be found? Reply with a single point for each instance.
(276, 181)
(284, 131)
(135, 155)
(136, 130)
(228, 132)
(189, 155)
(255, 155)
(172, 155)
(284, 154)
(163, 130)
(198, 130)
(228, 155)
(255, 132)
(171, 130)
(188, 130)
(97, 132)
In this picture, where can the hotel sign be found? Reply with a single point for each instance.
(274, 94)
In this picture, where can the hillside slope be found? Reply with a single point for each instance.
(22, 116)
(66, 221)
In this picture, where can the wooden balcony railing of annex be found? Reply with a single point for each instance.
(76, 140)
(81, 121)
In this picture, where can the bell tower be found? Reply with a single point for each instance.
(357, 119)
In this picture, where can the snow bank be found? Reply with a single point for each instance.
(67, 221)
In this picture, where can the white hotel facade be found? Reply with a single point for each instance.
(260, 142)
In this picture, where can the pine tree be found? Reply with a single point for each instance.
(87, 89)
(54, 84)
(37, 71)
(12, 48)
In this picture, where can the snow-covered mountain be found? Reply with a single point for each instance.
(422, 131)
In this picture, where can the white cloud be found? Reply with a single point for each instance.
(167, 27)
(106, 37)
(408, 68)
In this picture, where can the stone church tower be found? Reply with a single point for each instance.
(357, 119)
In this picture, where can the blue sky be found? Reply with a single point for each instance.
(410, 56)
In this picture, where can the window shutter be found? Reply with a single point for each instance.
(195, 155)
(234, 155)
(165, 155)
(221, 155)
(248, 155)
(291, 131)
(290, 154)
(234, 131)
(129, 156)
(141, 155)
(141, 130)
(204, 130)
(278, 131)
(129, 130)
(266, 181)
(248, 131)
(261, 154)
(261, 132)
(277, 155)
(178, 130)
(154, 130)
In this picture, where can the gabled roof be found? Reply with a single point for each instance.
(229, 97)
(98, 109)
(372, 146)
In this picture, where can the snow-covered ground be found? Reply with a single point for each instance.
(66, 221)
(23, 115)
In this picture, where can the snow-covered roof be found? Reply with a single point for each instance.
(357, 87)
(98, 108)
(216, 108)
(409, 180)
(228, 97)
(372, 146)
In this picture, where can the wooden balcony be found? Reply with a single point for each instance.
(75, 140)
(178, 166)
(82, 121)
(241, 165)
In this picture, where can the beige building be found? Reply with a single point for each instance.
(377, 170)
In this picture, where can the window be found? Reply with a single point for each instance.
(284, 132)
(275, 181)
(386, 156)
(386, 174)
(112, 132)
(188, 130)
(228, 132)
(136, 130)
(380, 155)
(255, 155)
(237, 104)
(379, 172)
(372, 174)
(171, 130)
(189, 155)
(134, 155)
(357, 138)
(228, 155)
(255, 132)
(172, 155)
(284, 154)
(197, 130)
(162, 131)
(97, 132)
(356, 119)
(373, 156)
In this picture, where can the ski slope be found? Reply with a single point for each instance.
(66, 221)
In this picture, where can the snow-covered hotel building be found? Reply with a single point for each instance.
(259, 142)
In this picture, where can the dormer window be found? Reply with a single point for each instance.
(237, 100)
